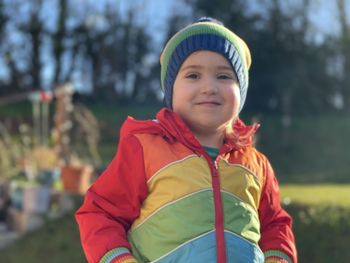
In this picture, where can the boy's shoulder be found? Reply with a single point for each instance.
(166, 124)
(250, 154)
(147, 132)
(133, 126)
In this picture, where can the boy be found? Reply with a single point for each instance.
(189, 186)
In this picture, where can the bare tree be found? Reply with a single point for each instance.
(345, 51)
(97, 48)
(35, 31)
(58, 39)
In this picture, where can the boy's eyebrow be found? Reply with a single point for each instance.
(225, 68)
(191, 67)
(221, 67)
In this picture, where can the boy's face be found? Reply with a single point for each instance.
(206, 92)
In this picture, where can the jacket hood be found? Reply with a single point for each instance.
(170, 126)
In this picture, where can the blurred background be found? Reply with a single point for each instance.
(72, 70)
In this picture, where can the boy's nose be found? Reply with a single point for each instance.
(209, 86)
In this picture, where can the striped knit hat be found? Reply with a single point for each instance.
(205, 34)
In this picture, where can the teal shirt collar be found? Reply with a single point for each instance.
(212, 151)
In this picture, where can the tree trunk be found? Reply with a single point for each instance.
(345, 51)
(58, 40)
(35, 32)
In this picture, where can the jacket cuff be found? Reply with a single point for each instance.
(118, 255)
(276, 256)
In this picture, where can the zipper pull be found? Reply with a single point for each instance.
(216, 165)
(215, 172)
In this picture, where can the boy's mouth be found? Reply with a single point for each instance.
(209, 103)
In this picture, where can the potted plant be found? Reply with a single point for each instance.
(76, 178)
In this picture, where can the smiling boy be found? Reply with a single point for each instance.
(190, 186)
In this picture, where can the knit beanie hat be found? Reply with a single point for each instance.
(205, 34)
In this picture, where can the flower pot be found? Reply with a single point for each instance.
(76, 179)
(36, 199)
(22, 221)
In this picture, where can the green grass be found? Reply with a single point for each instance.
(57, 241)
(316, 195)
(322, 233)
(320, 212)
(23, 109)
(314, 149)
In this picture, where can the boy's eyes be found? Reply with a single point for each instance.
(192, 76)
(225, 76)
(218, 76)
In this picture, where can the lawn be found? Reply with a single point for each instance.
(319, 194)
(58, 240)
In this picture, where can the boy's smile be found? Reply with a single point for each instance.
(206, 93)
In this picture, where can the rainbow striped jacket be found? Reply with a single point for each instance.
(163, 199)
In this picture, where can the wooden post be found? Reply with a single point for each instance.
(63, 122)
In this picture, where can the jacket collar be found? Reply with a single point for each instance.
(170, 126)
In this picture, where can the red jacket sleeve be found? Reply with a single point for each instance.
(277, 239)
(112, 203)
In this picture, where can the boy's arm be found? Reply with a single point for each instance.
(277, 239)
(112, 204)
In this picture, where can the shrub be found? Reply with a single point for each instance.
(322, 233)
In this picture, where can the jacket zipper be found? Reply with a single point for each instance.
(219, 220)
(218, 207)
